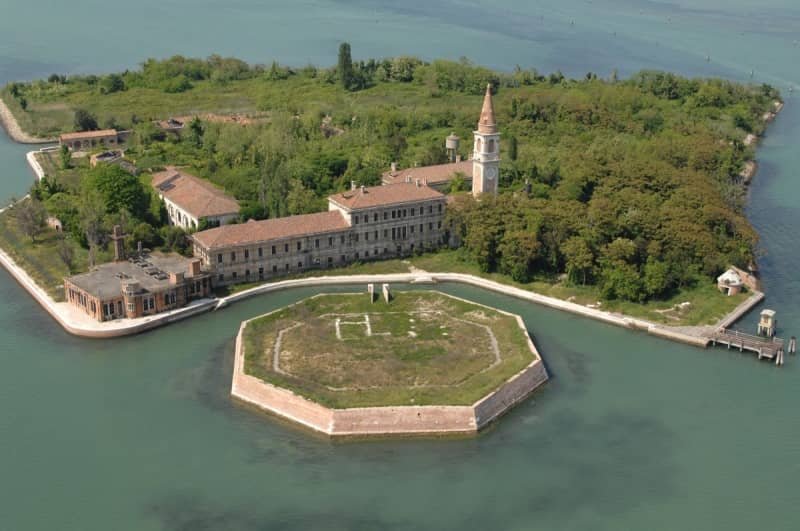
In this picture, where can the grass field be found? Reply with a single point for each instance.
(422, 348)
(51, 111)
(40, 258)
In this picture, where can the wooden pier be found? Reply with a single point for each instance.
(765, 347)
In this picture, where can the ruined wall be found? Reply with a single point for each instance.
(403, 420)
(511, 393)
(274, 399)
(515, 389)
(750, 281)
(387, 420)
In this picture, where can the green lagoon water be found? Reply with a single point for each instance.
(631, 433)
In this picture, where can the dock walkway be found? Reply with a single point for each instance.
(765, 347)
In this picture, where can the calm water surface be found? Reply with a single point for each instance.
(631, 433)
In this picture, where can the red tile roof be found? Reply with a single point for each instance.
(88, 134)
(389, 194)
(436, 174)
(271, 229)
(196, 196)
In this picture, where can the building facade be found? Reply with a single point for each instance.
(403, 216)
(365, 223)
(85, 140)
(141, 286)
(191, 200)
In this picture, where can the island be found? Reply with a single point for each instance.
(620, 199)
(408, 363)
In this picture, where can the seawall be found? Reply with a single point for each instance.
(63, 314)
(681, 334)
(387, 420)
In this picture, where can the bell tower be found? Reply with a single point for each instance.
(486, 156)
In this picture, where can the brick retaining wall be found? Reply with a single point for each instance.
(387, 420)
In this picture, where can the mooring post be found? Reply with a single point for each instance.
(792, 345)
(371, 291)
(387, 295)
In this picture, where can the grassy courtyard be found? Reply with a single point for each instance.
(422, 348)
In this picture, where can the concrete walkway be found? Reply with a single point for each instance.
(697, 336)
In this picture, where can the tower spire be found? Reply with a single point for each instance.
(486, 124)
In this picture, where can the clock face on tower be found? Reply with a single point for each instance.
(491, 173)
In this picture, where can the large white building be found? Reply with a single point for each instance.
(191, 200)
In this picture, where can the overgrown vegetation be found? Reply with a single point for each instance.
(634, 187)
(422, 348)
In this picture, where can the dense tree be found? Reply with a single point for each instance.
(111, 83)
(579, 259)
(634, 183)
(118, 190)
(30, 216)
(66, 252)
(84, 121)
(344, 67)
(65, 156)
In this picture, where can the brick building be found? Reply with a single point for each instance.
(401, 217)
(437, 176)
(137, 287)
(86, 140)
(365, 223)
(190, 200)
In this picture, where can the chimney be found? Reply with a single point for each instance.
(175, 278)
(363, 189)
(458, 158)
(119, 243)
(352, 185)
(417, 181)
(408, 178)
(139, 247)
(394, 167)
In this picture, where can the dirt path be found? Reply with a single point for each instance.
(13, 129)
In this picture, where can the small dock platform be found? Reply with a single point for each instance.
(765, 347)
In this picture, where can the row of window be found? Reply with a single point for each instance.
(396, 234)
(396, 213)
(273, 250)
(234, 276)
(399, 232)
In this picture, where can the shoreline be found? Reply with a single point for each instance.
(12, 128)
(78, 324)
(692, 335)
(393, 420)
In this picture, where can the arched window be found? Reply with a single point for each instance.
(491, 145)
(478, 145)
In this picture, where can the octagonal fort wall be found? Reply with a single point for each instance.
(386, 420)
